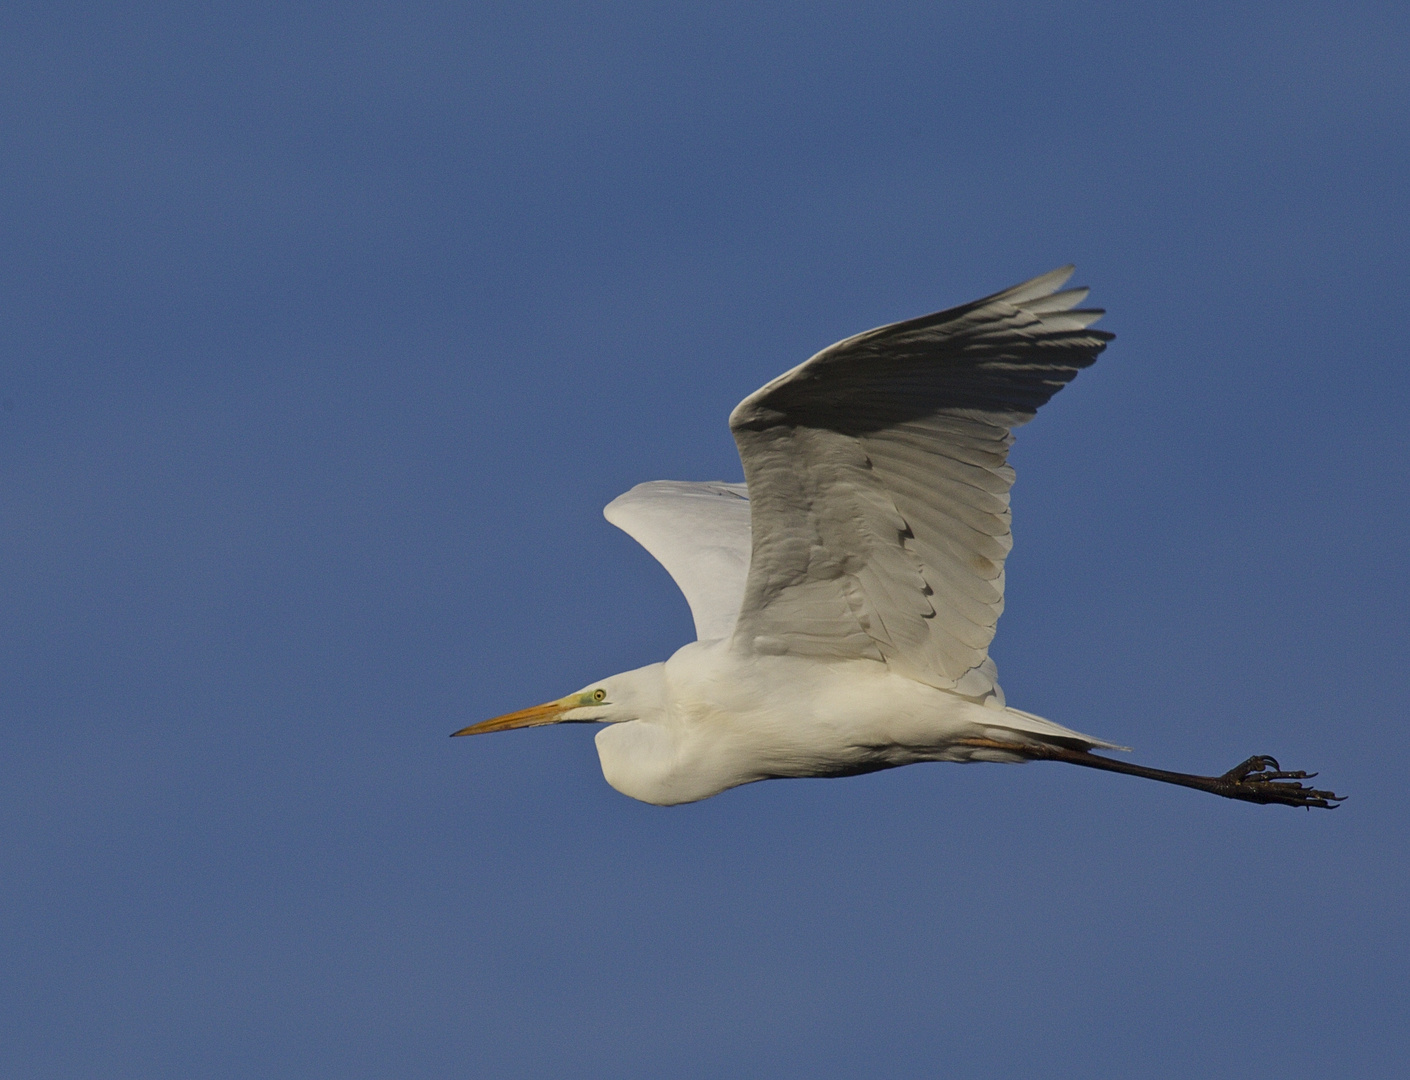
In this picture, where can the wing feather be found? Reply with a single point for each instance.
(879, 484)
(699, 531)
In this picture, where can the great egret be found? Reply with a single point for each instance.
(845, 595)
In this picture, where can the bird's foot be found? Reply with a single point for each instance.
(1261, 779)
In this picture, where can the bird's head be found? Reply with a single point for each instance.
(631, 695)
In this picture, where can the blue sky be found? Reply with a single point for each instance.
(327, 330)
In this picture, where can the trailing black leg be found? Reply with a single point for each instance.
(1260, 779)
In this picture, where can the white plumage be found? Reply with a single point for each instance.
(700, 533)
(845, 596)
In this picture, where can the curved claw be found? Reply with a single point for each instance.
(1259, 763)
(1260, 779)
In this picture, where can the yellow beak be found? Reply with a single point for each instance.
(535, 717)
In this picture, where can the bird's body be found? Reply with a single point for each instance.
(720, 717)
(845, 595)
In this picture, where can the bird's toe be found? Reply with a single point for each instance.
(1261, 779)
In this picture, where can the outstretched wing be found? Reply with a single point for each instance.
(700, 533)
(879, 483)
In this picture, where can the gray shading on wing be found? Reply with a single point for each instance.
(879, 483)
(700, 533)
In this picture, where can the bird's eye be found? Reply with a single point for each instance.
(599, 695)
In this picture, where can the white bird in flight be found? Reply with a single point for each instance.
(845, 595)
